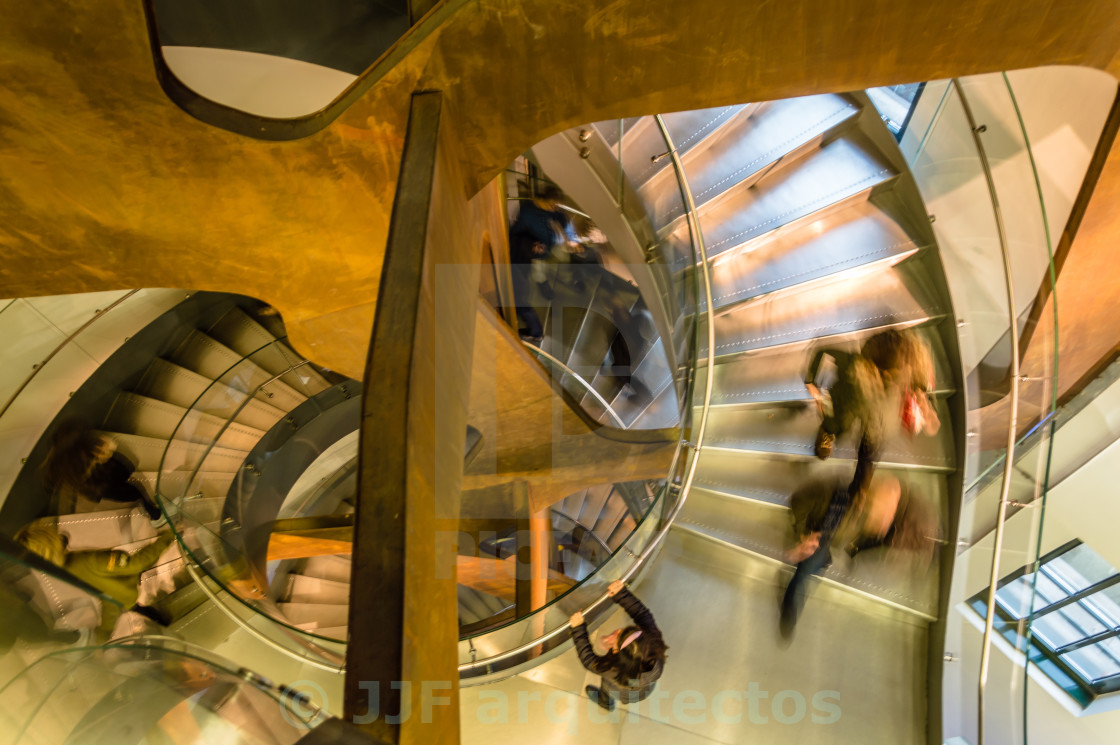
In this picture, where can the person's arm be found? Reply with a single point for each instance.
(121, 563)
(931, 423)
(587, 656)
(643, 617)
(805, 548)
(815, 367)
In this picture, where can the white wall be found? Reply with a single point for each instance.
(261, 84)
(1084, 506)
(31, 329)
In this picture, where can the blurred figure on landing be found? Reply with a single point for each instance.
(82, 463)
(626, 343)
(540, 225)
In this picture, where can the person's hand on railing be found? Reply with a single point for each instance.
(576, 619)
(615, 587)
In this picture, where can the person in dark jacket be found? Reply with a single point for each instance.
(857, 399)
(825, 504)
(82, 463)
(539, 226)
(635, 658)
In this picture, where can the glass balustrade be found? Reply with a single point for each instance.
(969, 151)
(148, 690)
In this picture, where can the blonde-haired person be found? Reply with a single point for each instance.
(115, 573)
(907, 362)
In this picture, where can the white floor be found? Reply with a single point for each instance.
(855, 672)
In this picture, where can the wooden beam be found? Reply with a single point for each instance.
(404, 620)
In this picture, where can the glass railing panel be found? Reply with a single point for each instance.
(514, 643)
(975, 150)
(895, 104)
(209, 523)
(45, 610)
(554, 616)
(595, 585)
(619, 169)
(150, 689)
(950, 175)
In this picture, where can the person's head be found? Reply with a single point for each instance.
(74, 449)
(548, 197)
(42, 537)
(635, 652)
(904, 358)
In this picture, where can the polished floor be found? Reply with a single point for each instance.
(854, 673)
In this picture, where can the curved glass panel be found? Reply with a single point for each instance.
(206, 482)
(152, 691)
(973, 161)
(45, 610)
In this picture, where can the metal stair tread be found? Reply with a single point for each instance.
(832, 176)
(241, 333)
(175, 384)
(147, 454)
(777, 376)
(839, 307)
(209, 357)
(592, 507)
(745, 149)
(847, 240)
(303, 589)
(688, 129)
(794, 432)
(768, 531)
(921, 607)
(151, 417)
(335, 567)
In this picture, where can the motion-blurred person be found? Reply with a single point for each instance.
(115, 573)
(635, 655)
(900, 518)
(539, 226)
(817, 510)
(626, 342)
(82, 463)
(907, 363)
(857, 399)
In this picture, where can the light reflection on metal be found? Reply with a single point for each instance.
(602, 401)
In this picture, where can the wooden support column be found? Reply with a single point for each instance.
(540, 541)
(525, 577)
(402, 657)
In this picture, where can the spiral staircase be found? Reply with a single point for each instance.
(815, 236)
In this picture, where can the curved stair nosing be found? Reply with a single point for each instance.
(809, 456)
(826, 578)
